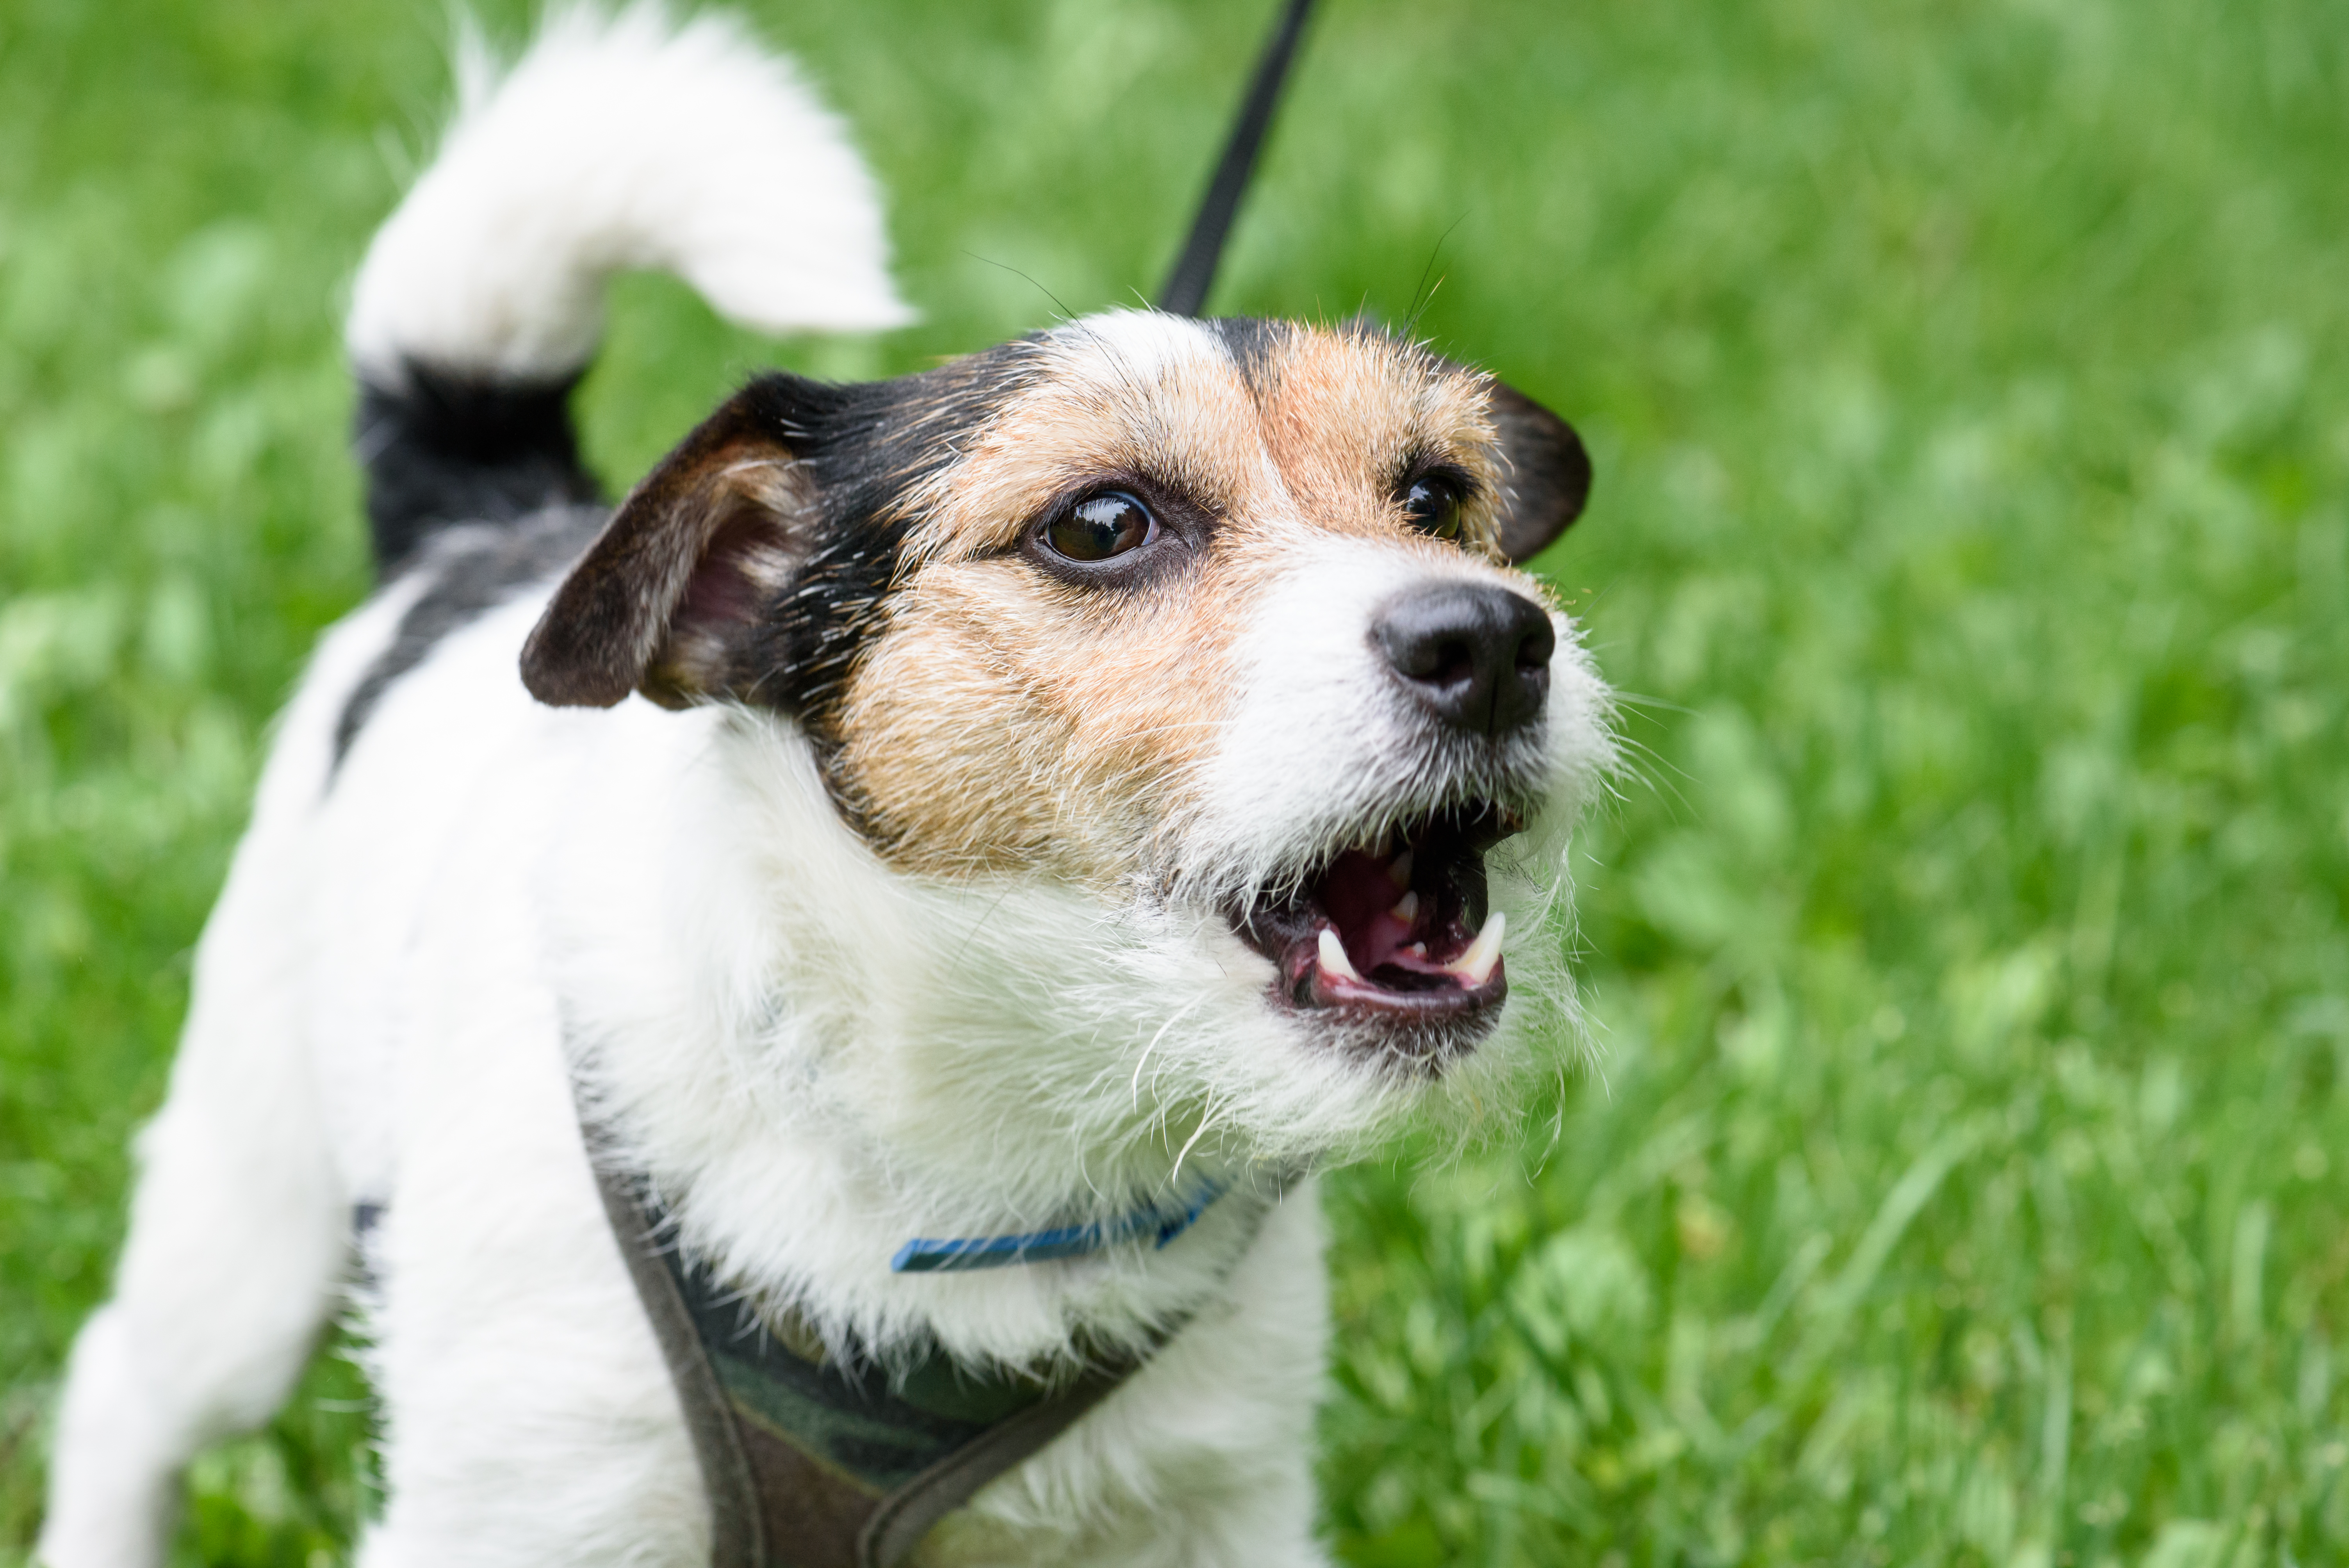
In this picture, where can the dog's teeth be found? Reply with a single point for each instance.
(1406, 908)
(1475, 965)
(1333, 956)
(1417, 950)
(1399, 870)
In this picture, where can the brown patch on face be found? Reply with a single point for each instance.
(1015, 717)
(1345, 413)
(1009, 722)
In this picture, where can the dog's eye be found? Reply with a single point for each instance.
(1432, 506)
(1102, 527)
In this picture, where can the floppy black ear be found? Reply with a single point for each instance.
(678, 581)
(1547, 477)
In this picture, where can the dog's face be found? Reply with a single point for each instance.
(1212, 627)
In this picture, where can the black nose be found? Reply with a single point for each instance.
(1476, 656)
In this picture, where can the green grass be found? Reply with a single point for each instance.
(1965, 1179)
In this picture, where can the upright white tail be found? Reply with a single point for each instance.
(617, 142)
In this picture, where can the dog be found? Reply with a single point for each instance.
(1120, 772)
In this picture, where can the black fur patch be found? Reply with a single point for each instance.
(1549, 473)
(474, 569)
(1254, 344)
(865, 447)
(448, 451)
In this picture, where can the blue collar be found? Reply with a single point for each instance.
(921, 1256)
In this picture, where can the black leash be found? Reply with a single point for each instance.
(1185, 292)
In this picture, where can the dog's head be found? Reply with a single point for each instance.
(1193, 652)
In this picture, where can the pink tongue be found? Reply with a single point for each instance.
(1359, 897)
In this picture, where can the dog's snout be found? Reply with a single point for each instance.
(1475, 656)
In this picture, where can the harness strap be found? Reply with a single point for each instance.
(903, 1518)
(736, 1537)
(811, 1464)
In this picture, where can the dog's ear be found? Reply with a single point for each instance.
(680, 576)
(1547, 477)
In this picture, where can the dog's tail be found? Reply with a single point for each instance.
(615, 143)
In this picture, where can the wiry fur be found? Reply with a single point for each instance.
(903, 922)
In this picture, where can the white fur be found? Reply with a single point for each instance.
(814, 1057)
(617, 143)
(1120, 351)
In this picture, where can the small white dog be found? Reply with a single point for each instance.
(1052, 802)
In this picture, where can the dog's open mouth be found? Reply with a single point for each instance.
(1395, 932)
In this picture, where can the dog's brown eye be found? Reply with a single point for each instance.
(1104, 526)
(1433, 505)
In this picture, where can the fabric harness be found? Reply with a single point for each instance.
(810, 1463)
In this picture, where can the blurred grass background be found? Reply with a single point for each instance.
(1965, 1179)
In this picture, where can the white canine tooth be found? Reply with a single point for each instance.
(1333, 956)
(1406, 908)
(1475, 965)
(1399, 869)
